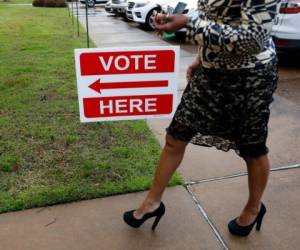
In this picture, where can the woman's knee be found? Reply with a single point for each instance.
(260, 161)
(174, 145)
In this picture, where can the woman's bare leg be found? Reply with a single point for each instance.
(258, 172)
(170, 158)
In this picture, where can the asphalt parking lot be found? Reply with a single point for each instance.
(289, 77)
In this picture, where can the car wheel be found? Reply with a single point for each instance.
(91, 3)
(149, 22)
(180, 36)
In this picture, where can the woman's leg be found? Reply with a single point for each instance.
(258, 172)
(170, 158)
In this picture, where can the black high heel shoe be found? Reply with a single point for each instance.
(236, 229)
(132, 221)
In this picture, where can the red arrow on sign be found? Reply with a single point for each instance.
(98, 85)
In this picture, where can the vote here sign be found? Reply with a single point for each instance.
(127, 83)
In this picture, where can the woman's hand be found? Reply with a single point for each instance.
(192, 69)
(164, 23)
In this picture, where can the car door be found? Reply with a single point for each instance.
(286, 29)
(277, 21)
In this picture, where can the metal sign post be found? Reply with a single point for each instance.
(87, 24)
(72, 13)
(77, 15)
(67, 4)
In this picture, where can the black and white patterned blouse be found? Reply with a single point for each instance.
(234, 34)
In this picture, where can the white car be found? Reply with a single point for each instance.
(189, 8)
(108, 8)
(286, 31)
(141, 11)
(119, 6)
(92, 3)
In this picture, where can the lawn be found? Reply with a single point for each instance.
(46, 155)
(15, 2)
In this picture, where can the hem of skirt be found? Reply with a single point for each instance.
(260, 150)
(230, 144)
(246, 156)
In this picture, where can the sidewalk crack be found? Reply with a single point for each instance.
(207, 219)
(192, 182)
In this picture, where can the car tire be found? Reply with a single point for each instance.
(180, 36)
(149, 24)
(91, 3)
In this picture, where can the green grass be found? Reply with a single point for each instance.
(15, 1)
(46, 155)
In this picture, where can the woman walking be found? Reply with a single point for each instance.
(226, 102)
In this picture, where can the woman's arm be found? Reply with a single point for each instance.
(166, 23)
(192, 68)
(247, 38)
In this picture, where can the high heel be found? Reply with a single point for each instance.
(260, 218)
(157, 219)
(133, 222)
(236, 229)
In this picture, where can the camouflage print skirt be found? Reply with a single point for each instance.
(227, 109)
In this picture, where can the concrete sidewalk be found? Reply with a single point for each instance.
(196, 214)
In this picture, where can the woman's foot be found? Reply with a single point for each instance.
(248, 216)
(146, 207)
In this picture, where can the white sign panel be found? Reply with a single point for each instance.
(127, 83)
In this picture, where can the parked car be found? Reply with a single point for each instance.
(119, 6)
(286, 31)
(92, 3)
(187, 7)
(108, 8)
(141, 11)
(180, 6)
